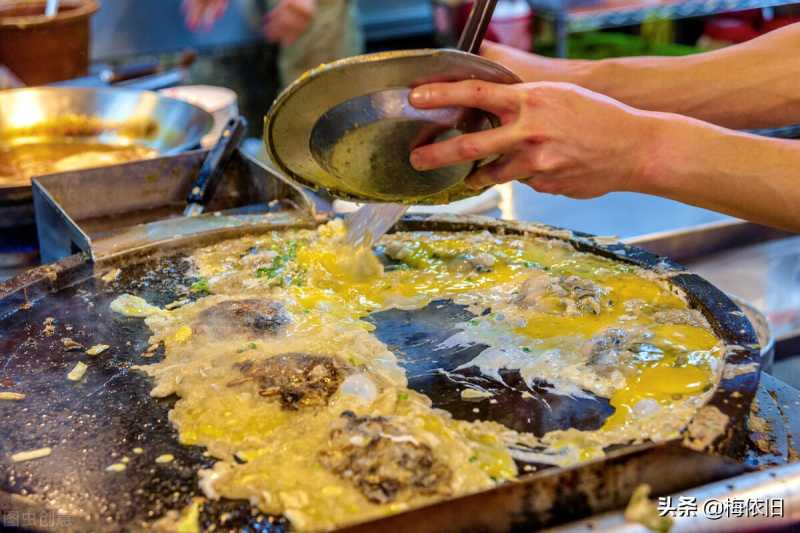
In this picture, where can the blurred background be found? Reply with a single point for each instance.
(234, 53)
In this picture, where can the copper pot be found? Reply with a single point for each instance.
(40, 49)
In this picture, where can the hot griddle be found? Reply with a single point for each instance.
(92, 424)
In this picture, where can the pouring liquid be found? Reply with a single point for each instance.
(367, 225)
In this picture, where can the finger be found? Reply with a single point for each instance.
(496, 51)
(192, 15)
(547, 185)
(509, 168)
(192, 20)
(219, 9)
(464, 148)
(492, 97)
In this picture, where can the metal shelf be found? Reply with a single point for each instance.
(615, 13)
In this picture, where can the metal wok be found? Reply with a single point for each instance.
(26, 116)
(177, 125)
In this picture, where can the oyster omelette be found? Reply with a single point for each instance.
(309, 414)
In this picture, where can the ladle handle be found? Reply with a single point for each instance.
(477, 24)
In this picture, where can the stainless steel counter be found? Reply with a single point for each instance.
(621, 214)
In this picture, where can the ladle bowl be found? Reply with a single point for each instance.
(349, 129)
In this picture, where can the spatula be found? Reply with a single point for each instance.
(370, 222)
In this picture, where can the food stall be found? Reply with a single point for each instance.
(194, 337)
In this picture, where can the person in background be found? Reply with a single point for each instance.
(308, 32)
(654, 125)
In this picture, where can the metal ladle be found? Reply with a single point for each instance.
(367, 140)
(371, 221)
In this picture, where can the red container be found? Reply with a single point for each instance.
(40, 49)
(730, 30)
(779, 22)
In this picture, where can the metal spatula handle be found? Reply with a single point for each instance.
(477, 24)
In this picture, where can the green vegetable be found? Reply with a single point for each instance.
(268, 272)
(200, 286)
(251, 346)
(280, 263)
(402, 396)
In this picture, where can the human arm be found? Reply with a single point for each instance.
(288, 20)
(749, 85)
(563, 139)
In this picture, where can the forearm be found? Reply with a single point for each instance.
(746, 176)
(751, 85)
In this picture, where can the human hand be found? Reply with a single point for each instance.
(532, 67)
(556, 137)
(288, 20)
(202, 14)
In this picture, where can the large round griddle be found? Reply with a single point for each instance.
(347, 127)
(94, 423)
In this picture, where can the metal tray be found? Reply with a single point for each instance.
(143, 201)
(112, 412)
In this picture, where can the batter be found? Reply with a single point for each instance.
(309, 415)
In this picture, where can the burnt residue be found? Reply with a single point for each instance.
(89, 424)
(99, 420)
(251, 316)
(559, 496)
(296, 379)
(159, 280)
(383, 460)
(773, 425)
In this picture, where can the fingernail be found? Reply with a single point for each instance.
(419, 96)
(417, 161)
